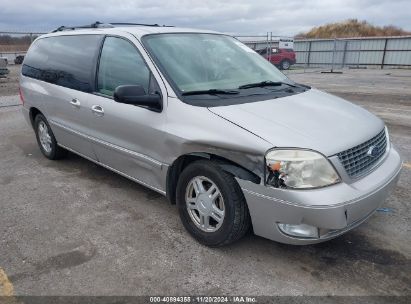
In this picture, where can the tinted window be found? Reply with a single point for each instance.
(121, 64)
(67, 61)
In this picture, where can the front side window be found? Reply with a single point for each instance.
(121, 64)
(209, 61)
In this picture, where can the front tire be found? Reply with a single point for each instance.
(46, 140)
(211, 204)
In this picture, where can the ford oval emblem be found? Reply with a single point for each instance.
(373, 151)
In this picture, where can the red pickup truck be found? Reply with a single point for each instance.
(281, 58)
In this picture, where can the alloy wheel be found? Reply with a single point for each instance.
(205, 204)
(44, 136)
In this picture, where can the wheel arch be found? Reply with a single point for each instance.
(225, 164)
(33, 112)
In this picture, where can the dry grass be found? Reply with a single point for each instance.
(13, 48)
(352, 28)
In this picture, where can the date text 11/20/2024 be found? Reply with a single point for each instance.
(205, 299)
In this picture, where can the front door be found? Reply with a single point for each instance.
(127, 138)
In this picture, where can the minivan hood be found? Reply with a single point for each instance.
(313, 120)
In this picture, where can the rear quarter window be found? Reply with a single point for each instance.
(67, 61)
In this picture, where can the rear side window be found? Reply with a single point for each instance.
(66, 61)
(121, 64)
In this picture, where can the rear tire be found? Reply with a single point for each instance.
(228, 217)
(285, 64)
(46, 140)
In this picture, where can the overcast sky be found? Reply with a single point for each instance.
(286, 17)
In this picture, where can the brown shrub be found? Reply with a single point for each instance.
(352, 28)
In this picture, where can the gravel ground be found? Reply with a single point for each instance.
(71, 227)
(10, 84)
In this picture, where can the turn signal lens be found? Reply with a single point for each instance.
(21, 96)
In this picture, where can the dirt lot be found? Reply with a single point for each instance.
(73, 228)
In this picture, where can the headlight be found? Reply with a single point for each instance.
(299, 169)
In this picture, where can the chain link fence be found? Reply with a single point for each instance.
(271, 47)
(13, 45)
(333, 55)
(330, 55)
(379, 52)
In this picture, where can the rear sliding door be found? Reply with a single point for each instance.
(64, 69)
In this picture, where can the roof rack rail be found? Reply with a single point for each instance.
(96, 24)
(139, 24)
(99, 24)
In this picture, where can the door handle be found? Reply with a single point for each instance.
(75, 102)
(98, 110)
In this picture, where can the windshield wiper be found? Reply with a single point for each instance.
(210, 92)
(265, 83)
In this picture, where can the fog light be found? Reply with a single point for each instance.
(301, 230)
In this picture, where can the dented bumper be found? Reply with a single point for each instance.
(333, 210)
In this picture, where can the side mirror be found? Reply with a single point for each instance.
(136, 95)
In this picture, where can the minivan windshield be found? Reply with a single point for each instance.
(210, 62)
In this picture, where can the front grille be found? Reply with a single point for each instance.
(357, 160)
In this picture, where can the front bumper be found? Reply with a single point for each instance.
(334, 209)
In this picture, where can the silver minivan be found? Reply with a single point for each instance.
(204, 120)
